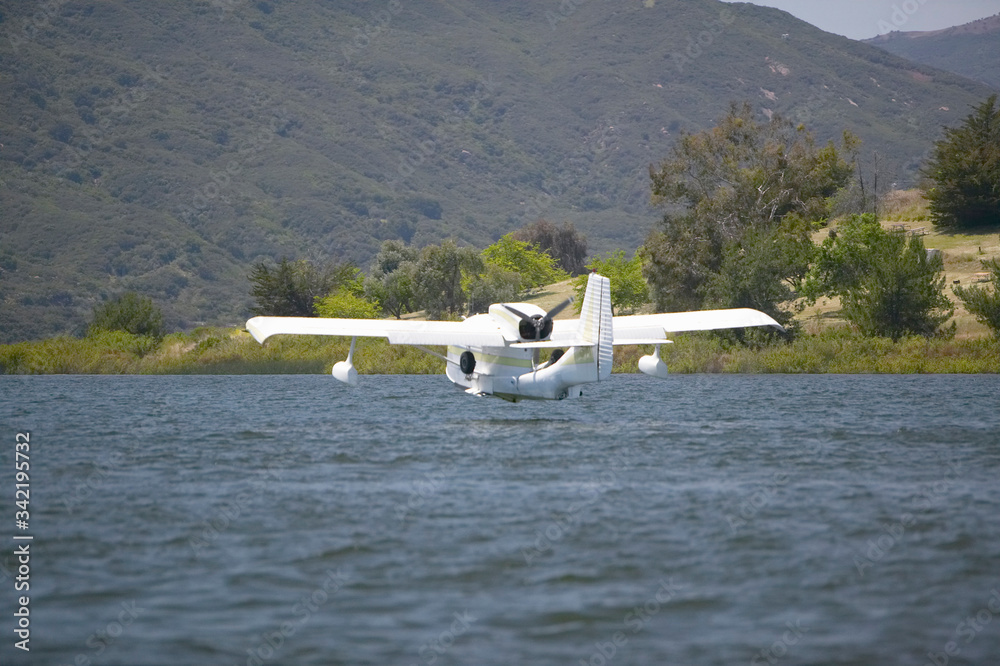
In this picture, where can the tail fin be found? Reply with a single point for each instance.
(596, 322)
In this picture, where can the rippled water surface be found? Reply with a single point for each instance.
(693, 520)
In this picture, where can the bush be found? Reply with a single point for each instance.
(888, 284)
(131, 313)
(343, 304)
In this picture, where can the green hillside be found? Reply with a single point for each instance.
(972, 50)
(165, 146)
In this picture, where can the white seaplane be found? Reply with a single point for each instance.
(499, 353)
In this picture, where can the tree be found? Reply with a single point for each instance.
(678, 258)
(393, 278)
(535, 267)
(493, 285)
(564, 244)
(439, 277)
(741, 189)
(291, 288)
(866, 192)
(888, 284)
(981, 303)
(965, 170)
(628, 287)
(131, 313)
(395, 291)
(391, 255)
(763, 270)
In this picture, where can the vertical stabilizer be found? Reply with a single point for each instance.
(595, 322)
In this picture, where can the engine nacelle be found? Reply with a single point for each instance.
(653, 365)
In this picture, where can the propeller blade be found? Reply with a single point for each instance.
(559, 308)
(518, 313)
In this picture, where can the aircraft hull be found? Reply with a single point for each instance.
(509, 373)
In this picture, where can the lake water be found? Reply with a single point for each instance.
(693, 520)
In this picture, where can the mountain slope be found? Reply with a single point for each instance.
(165, 147)
(971, 50)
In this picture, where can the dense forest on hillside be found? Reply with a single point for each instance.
(167, 147)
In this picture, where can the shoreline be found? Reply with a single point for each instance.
(233, 351)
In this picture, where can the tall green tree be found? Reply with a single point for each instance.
(628, 287)
(564, 244)
(131, 313)
(982, 303)
(392, 279)
(741, 189)
(965, 171)
(492, 285)
(764, 270)
(395, 291)
(678, 257)
(440, 274)
(291, 288)
(535, 266)
(889, 285)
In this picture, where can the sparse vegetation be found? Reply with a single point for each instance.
(904, 206)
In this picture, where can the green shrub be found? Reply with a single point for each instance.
(345, 305)
(131, 313)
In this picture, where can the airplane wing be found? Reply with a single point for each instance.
(464, 333)
(651, 328)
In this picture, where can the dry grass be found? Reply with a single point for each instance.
(905, 206)
(552, 295)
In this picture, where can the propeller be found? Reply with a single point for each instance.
(538, 327)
